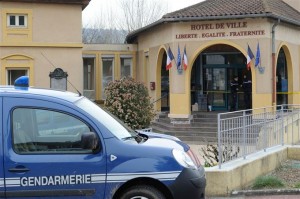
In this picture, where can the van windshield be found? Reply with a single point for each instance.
(112, 123)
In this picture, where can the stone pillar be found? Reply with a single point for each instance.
(180, 102)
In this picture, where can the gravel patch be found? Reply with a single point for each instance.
(289, 173)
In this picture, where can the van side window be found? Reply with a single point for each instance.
(46, 131)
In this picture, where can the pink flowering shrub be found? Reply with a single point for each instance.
(129, 101)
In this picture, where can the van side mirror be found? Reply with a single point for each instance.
(89, 140)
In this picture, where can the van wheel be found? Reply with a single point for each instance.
(142, 192)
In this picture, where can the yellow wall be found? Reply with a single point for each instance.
(47, 23)
(16, 35)
(52, 39)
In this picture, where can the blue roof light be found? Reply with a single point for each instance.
(22, 81)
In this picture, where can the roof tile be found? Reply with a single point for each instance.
(228, 9)
(215, 8)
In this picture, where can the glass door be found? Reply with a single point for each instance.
(216, 83)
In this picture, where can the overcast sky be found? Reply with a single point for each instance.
(91, 10)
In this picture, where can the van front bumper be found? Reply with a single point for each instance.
(190, 183)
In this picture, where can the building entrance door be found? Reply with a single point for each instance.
(216, 88)
(212, 73)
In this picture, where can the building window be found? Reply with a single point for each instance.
(126, 67)
(17, 26)
(107, 73)
(14, 20)
(89, 73)
(13, 74)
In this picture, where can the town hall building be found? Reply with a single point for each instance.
(215, 36)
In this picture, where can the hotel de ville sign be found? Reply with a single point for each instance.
(220, 30)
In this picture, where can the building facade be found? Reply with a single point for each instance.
(104, 63)
(216, 36)
(38, 36)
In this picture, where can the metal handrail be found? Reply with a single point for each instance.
(241, 133)
(160, 98)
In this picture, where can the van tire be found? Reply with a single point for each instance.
(142, 192)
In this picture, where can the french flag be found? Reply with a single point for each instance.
(250, 56)
(184, 59)
(170, 57)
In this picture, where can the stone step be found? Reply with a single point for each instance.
(192, 126)
(195, 120)
(205, 114)
(184, 127)
(202, 129)
(204, 139)
(198, 140)
(205, 120)
(209, 125)
(185, 131)
(164, 120)
(214, 114)
(185, 136)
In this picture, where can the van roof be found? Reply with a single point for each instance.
(64, 95)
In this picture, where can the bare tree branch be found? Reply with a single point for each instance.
(111, 26)
(139, 13)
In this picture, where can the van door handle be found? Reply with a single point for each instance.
(18, 170)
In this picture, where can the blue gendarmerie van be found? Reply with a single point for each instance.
(60, 144)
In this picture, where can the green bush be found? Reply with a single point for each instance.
(267, 182)
(297, 185)
(130, 102)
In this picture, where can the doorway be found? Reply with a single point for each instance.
(212, 73)
(281, 79)
(165, 102)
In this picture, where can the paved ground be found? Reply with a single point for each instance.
(259, 197)
(197, 149)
